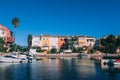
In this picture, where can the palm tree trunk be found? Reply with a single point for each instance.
(14, 34)
(15, 40)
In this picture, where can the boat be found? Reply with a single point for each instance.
(10, 59)
(84, 56)
(117, 62)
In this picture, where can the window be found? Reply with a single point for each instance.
(36, 41)
(3, 32)
(87, 40)
(40, 38)
(61, 39)
(81, 38)
(46, 44)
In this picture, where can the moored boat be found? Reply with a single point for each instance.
(117, 62)
(10, 59)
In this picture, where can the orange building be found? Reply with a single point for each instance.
(61, 40)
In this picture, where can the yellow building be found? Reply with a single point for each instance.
(45, 42)
(82, 41)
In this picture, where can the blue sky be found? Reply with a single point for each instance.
(61, 17)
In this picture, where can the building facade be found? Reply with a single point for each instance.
(36, 41)
(47, 42)
(2, 33)
(53, 42)
(90, 41)
(82, 41)
(6, 34)
(61, 41)
(86, 41)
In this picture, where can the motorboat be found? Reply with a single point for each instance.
(10, 59)
(84, 56)
(117, 62)
(23, 57)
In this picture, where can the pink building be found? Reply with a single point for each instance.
(6, 34)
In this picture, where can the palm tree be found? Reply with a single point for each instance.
(29, 40)
(15, 22)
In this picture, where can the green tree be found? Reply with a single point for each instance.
(80, 50)
(103, 42)
(70, 43)
(74, 50)
(23, 49)
(53, 50)
(2, 48)
(39, 50)
(13, 47)
(91, 51)
(29, 40)
(118, 41)
(60, 50)
(15, 22)
(109, 44)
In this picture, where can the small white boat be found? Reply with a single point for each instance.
(10, 59)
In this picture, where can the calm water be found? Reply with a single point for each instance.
(58, 69)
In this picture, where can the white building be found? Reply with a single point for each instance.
(90, 41)
(36, 41)
(54, 42)
(2, 33)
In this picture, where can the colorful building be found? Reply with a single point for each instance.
(6, 34)
(90, 41)
(2, 33)
(36, 41)
(53, 42)
(86, 41)
(61, 41)
(82, 41)
(47, 42)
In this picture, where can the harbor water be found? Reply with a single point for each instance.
(59, 69)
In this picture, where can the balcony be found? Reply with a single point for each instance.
(45, 47)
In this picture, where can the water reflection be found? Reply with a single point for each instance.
(112, 71)
(59, 69)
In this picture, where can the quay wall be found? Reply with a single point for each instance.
(101, 55)
(76, 55)
(59, 55)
